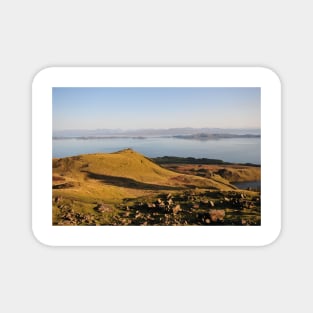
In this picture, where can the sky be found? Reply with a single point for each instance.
(138, 108)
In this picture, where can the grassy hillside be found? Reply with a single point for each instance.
(231, 173)
(105, 182)
(116, 174)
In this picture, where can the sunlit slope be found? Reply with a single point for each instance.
(122, 174)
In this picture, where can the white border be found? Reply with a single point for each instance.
(156, 77)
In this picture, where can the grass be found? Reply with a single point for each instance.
(125, 178)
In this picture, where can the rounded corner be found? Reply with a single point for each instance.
(272, 240)
(271, 74)
(41, 74)
(39, 240)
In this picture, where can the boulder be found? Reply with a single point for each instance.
(170, 202)
(102, 208)
(176, 209)
(216, 215)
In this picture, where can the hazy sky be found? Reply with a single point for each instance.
(133, 108)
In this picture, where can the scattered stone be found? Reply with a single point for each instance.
(102, 208)
(211, 203)
(176, 209)
(216, 215)
(170, 202)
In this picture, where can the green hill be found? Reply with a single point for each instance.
(124, 169)
(102, 186)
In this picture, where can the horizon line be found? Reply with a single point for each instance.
(187, 127)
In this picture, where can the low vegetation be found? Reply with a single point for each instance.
(126, 188)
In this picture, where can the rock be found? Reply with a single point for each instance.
(196, 206)
(176, 209)
(207, 221)
(169, 196)
(226, 199)
(101, 208)
(211, 203)
(216, 215)
(170, 202)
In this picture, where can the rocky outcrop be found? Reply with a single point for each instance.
(102, 208)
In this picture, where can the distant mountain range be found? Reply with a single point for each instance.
(206, 136)
(186, 133)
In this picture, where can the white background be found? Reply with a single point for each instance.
(262, 77)
(36, 34)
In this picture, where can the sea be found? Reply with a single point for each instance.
(236, 150)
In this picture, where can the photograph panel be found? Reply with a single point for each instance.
(156, 156)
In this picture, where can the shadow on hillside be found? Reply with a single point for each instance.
(128, 182)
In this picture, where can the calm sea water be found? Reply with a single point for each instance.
(255, 185)
(241, 150)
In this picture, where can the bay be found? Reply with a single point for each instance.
(237, 150)
(254, 185)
